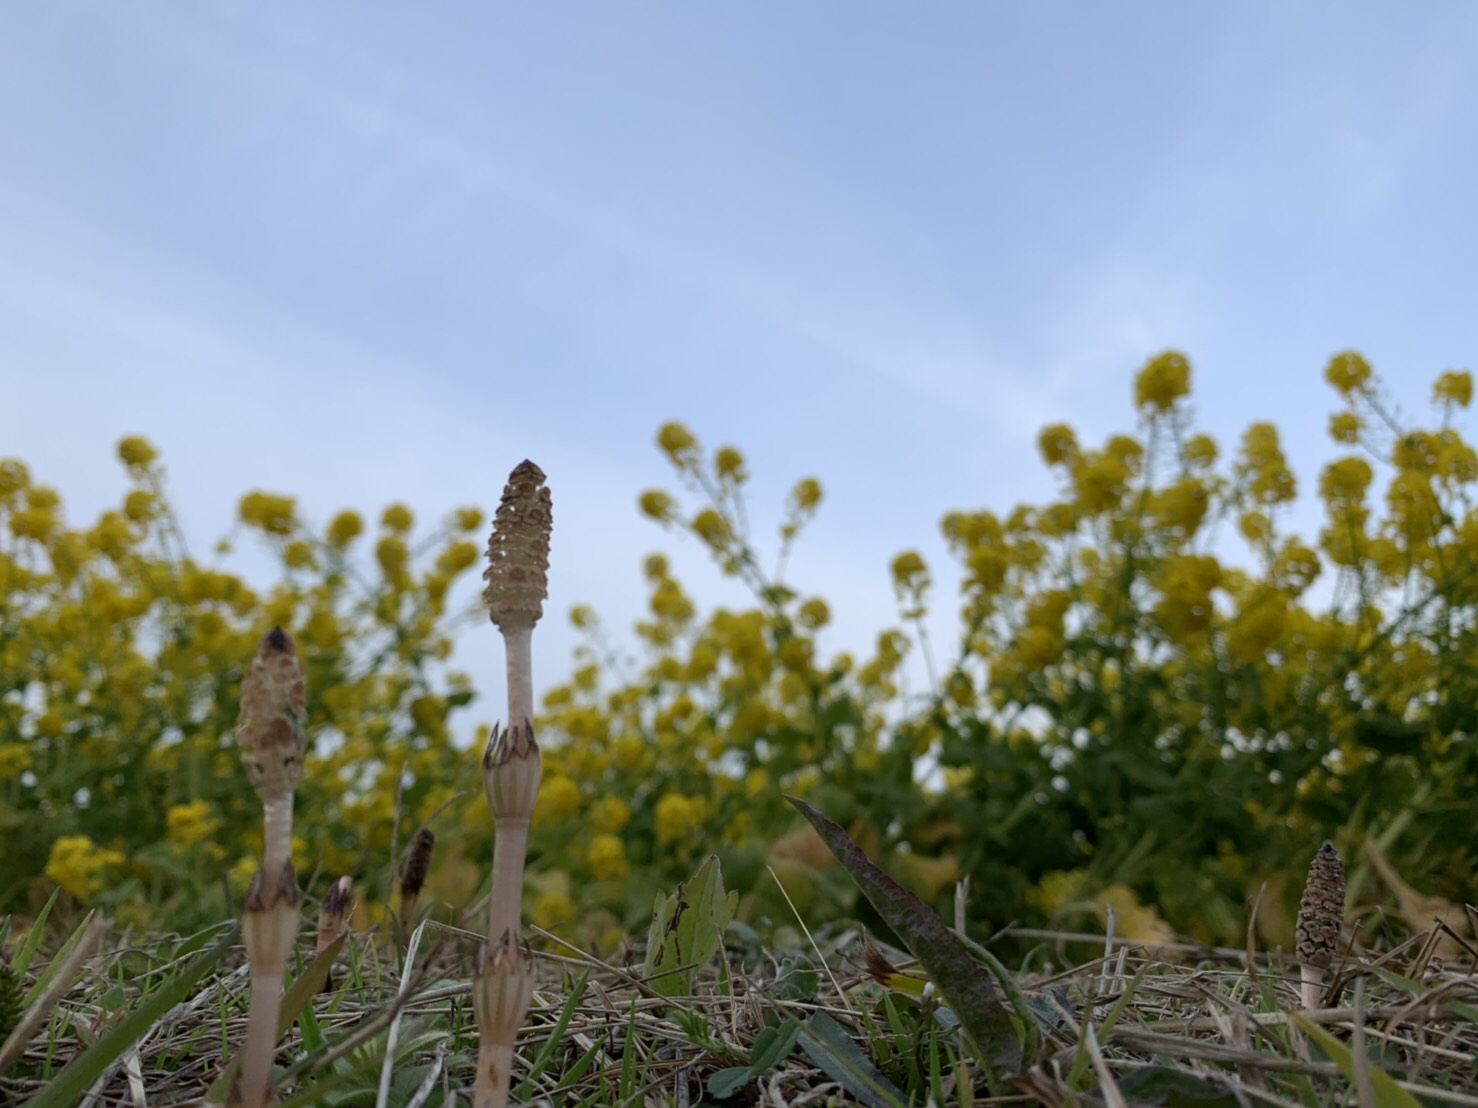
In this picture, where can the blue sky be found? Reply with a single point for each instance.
(366, 252)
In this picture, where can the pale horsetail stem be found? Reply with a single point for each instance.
(517, 583)
(272, 734)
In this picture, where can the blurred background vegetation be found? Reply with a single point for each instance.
(1160, 700)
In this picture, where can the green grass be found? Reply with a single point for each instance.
(157, 1023)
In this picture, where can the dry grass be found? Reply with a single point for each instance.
(1115, 1028)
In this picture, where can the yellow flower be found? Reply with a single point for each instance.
(1454, 387)
(1099, 483)
(609, 813)
(139, 505)
(397, 518)
(1182, 505)
(78, 865)
(276, 515)
(678, 443)
(606, 856)
(1057, 444)
(1348, 372)
(1345, 480)
(15, 759)
(469, 519)
(559, 798)
(136, 452)
(678, 817)
(806, 495)
(345, 528)
(1263, 462)
(299, 555)
(729, 464)
(1164, 380)
(910, 574)
(1345, 427)
(190, 823)
(813, 614)
(552, 909)
(1200, 451)
(392, 555)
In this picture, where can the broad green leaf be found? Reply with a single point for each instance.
(966, 985)
(686, 930)
(773, 1045)
(831, 1048)
(725, 1083)
(1388, 1094)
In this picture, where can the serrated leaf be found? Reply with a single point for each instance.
(1388, 1094)
(827, 1044)
(687, 928)
(965, 984)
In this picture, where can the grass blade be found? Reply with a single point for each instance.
(1388, 1094)
(27, 951)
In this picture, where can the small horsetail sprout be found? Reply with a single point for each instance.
(413, 875)
(1320, 916)
(331, 920)
(271, 732)
(517, 583)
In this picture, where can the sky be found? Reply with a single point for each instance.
(363, 253)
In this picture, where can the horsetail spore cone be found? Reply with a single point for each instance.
(518, 577)
(1321, 913)
(518, 550)
(272, 733)
(413, 875)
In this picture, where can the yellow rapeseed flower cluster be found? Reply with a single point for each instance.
(188, 825)
(81, 867)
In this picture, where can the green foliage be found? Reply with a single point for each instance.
(121, 658)
(1159, 699)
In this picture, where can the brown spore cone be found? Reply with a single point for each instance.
(1322, 910)
(518, 550)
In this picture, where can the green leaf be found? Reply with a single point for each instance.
(1388, 1094)
(725, 1083)
(1157, 1085)
(68, 1086)
(967, 986)
(772, 1046)
(687, 928)
(831, 1048)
